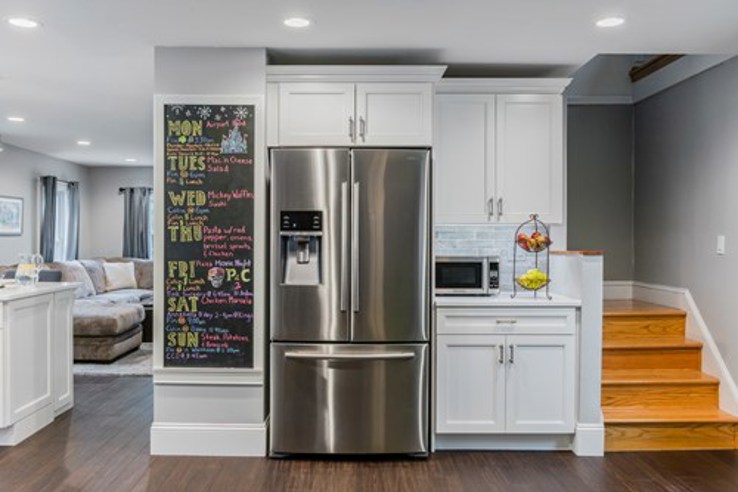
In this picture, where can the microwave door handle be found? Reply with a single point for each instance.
(344, 246)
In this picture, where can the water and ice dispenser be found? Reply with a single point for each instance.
(301, 248)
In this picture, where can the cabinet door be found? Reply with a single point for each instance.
(395, 115)
(470, 384)
(530, 154)
(316, 114)
(63, 351)
(540, 384)
(28, 355)
(464, 159)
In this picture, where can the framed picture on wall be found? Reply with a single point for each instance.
(11, 216)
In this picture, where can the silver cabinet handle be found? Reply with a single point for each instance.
(491, 206)
(351, 356)
(355, 248)
(344, 246)
(506, 321)
(362, 128)
(351, 128)
(511, 360)
(499, 207)
(501, 357)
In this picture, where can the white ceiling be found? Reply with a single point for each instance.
(88, 73)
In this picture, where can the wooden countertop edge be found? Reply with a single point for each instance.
(574, 252)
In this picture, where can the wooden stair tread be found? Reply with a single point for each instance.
(660, 376)
(635, 343)
(618, 415)
(628, 307)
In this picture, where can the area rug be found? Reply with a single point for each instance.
(136, 363)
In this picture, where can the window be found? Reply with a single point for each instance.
(63, 214)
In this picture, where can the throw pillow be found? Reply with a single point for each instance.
(119, 276)
(97, 274)
(73, 271)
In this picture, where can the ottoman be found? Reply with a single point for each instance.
(103, 331)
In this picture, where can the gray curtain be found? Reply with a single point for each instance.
(48, 217)
(136, 227)
(73, 234)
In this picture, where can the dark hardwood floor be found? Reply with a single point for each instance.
(103, 445)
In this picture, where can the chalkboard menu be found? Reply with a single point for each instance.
(208, 245)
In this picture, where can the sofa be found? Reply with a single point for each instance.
(107, 318)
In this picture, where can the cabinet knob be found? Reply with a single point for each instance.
(351, 128)
(362, 128)
(491, 206)
(499, 207)
(501, 357)
(512, 354)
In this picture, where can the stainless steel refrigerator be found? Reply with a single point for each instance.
(349, 301)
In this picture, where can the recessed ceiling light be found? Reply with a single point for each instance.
(24, 22)
(16, 119)
(610, 22)
(130, 159)
(84, 143)
(297, 22)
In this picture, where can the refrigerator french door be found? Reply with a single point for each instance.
(349, 296)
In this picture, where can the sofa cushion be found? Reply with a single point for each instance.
(125, 296)
(119, 276)
(73, 271)
(97, 274)
(144, 270)
(102, 319)
(106, 349)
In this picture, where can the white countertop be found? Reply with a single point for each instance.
(11, 292)
(523, 299)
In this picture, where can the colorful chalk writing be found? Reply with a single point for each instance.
(208, 236)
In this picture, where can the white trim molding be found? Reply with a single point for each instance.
(618, 289)
(355, 73)
(502, 86)
(208, 439)
(589, 440)
(598, 100)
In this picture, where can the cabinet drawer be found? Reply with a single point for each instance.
(480, 321)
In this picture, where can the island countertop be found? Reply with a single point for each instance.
(504, 299)
(12, 292)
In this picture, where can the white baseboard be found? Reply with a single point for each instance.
(589, 440)
(208, 439)
(712, 361)
(27, 426)
(618, 289)
(501, 442)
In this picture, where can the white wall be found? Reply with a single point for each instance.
(210, 412)
(106, 220)
(686, 170)
(20, 171)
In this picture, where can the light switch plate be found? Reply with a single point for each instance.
(721, 245)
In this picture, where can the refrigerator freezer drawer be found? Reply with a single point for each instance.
(349, 399)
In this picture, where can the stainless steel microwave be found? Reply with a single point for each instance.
(467, 275)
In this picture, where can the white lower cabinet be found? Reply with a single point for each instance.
(510, 379)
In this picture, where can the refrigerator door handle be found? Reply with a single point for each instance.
(351, 356)
(355, 248)
(344, 246)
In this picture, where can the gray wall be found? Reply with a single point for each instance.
(20, 171)
(686, 148)
(600, 184)
(107, 205)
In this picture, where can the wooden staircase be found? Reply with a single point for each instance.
(654, 394)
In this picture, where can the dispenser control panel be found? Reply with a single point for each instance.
(302, 221)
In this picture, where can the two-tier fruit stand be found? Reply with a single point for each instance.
(532, 237)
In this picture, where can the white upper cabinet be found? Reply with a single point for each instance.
(316, 114)
(499, 157)
(464, 178)
(394, 114)
(351, 106)
(530, 157)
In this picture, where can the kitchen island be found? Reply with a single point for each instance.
(36, 353)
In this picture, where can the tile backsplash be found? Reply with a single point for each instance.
(482, 240)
